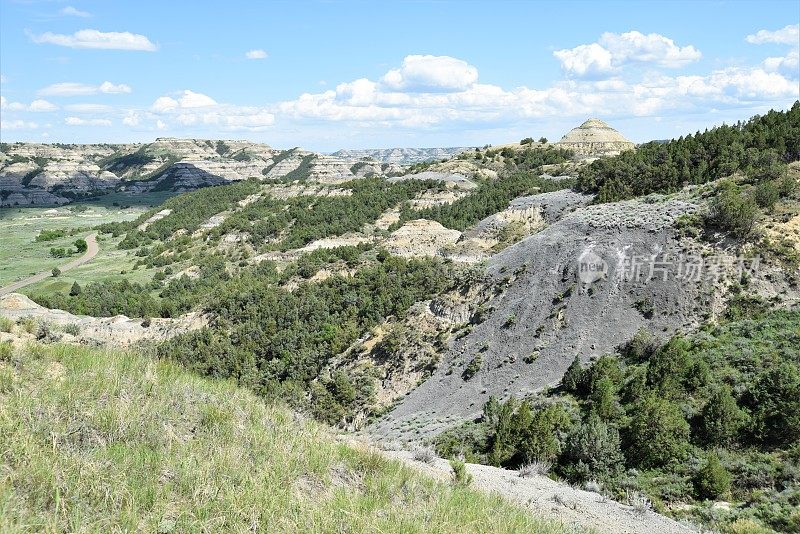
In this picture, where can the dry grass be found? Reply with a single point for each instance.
(99, 441)
(535, 467)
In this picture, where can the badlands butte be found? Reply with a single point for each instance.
(583, 310)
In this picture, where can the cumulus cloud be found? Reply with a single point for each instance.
(789, 35)
(82, 89)
(188, 99)
(36, 106)
(444, 73)
(97, 40)
(70, 11)
(653, 48)
(585, 60)
(193, 109)
(255, 54)
(615, 50)
(77, 121)
(790, 63)
(367, 103)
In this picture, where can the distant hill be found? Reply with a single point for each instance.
(34, 174)
(402, 156)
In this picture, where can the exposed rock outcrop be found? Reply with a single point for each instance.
(118, 331)
(420, 238)
(594, 138)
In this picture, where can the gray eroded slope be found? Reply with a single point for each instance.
(555, 316)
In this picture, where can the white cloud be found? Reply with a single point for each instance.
(442, 73)
(364, 103)
(160, 125)
(70, 11)
(97, 40)
(789, 35)
(790, 63)
(17, 125)
(3, 79)
(651, 48)
(613, 51)
(190, 99)
(585, 60)
(42, 105)
(38, 105)
(255, 54)
(110, 88)
(187, 100)
(82, 89)
(164, 103)
(77, 121)
(131, 119)
(196, 110)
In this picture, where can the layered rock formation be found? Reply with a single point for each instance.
(595, 138)
(402, 156)
(37, 174)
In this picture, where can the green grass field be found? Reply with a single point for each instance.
(101, 441)
(21, 255)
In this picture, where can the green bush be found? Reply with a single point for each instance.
(733, 211)
(573, 378)
(657, 435)
(712, 480)
(592, 452)
(6, 324)
(461, 477)
(766, 194)
(72, 329)
(721, 418)
(775, 402)
(75, 290)
(6, 350)
(472, 367)
(50, 235)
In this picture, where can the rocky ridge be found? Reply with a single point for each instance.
(402, 156)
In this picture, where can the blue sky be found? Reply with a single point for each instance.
(337, 74)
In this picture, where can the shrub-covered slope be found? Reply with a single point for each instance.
(704, 417)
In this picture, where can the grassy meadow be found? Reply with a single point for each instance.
(22, 256)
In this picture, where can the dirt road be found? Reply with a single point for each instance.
(91, 252)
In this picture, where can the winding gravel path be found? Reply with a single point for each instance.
(91, 252)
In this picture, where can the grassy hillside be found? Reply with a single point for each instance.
(98, 441)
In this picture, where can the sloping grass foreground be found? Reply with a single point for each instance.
(99, 441)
